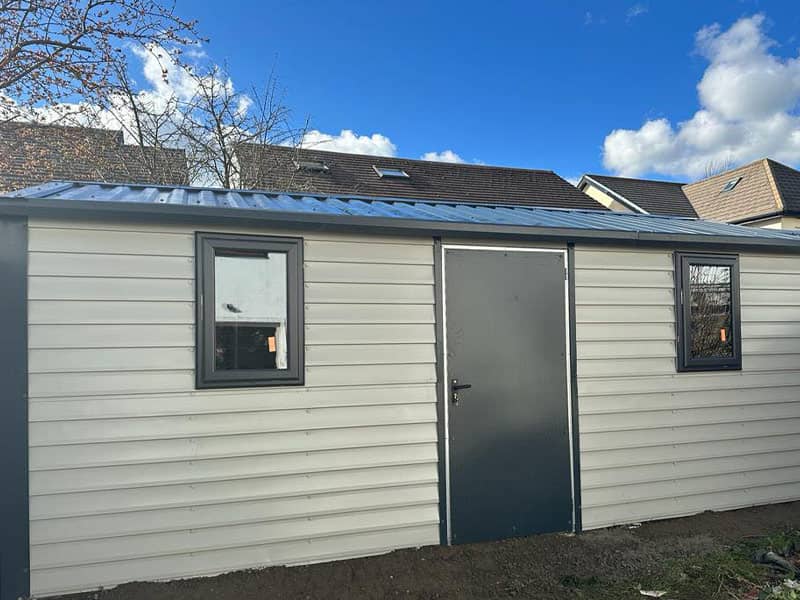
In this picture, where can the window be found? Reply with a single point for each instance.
(729, 185)
(249, 311)
(390, 172)
(709, 333)
(310, 165)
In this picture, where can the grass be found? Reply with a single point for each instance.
(730, 574)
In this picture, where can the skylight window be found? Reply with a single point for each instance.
(310, 165)
(390, 172)
(731, 184)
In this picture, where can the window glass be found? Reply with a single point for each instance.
(251, 311)
(710, 311)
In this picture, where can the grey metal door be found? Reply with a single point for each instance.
(508, 434)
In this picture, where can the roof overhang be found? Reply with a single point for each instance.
(588, 179)
(242, 217)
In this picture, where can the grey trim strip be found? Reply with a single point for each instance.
(14, 542)
(573, 370)
(441, 391)
(167, 213)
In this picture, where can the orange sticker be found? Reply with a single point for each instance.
(271, 343)
(723, 335)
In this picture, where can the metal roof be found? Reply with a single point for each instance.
(386, 212)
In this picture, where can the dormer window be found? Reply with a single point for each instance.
(390, 172)
(731, 184)
(310, 165)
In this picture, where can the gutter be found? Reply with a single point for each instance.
(187, 214)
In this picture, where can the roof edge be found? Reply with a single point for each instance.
(614, 194)
(290, 220)
(773, 184)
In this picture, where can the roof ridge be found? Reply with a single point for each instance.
(403, 158)
(635, 179)
(773, 184)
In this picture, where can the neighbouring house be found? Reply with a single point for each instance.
(32, 154)
(202, 380)
(300, 170)
(764, 193)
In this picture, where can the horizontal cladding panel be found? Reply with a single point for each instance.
(624, 260)
(97, 430)
(375, 293)
(103, 265)
(768, 264)
(711, 381)
(624, 314)
(110, 289)
(332, 272)
(656, 443)
(676, 506)
(76, 456)
(368, 313)
(623, 278)
(639, 438)
(687, 486)
(698, 468)
(76, 383)
(185, 541)
(353, 252)
(132, 466)
(685, 399)
(220, 469)
(370, 354)
(92, 240)
(215, 492)
(699, 415)
(91, 312)
(60, 408)
(626, 296)
(624, 458)
(212, 562)
(253, 511)
(109, 359)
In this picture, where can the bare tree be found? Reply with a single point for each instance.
(715, 166)
(220, 119)
(56, 50)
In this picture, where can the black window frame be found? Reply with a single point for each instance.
(685, 362)
(206, 376)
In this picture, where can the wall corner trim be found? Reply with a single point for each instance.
(15, 541)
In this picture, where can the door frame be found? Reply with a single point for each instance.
(440, 249)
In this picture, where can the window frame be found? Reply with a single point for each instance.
(685, 362)
(206, 376)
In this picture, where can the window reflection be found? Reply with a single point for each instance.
(711, 316)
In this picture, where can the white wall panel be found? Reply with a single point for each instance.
(656, 443)
(137, 475)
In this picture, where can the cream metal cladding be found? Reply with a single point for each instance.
(656, 443)
(134, 474)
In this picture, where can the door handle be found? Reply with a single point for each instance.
(454, 389)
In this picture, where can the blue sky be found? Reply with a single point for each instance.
(531, 84)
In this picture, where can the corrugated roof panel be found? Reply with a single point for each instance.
(393, 208)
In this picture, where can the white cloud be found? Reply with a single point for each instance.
(445, 156)
(637, 10)
(348, 141)
(748, 99)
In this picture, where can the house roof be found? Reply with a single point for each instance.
(654, 197)
(787, 181)
(275, 168)
(379, 214)
(754, 195)
(32, 153)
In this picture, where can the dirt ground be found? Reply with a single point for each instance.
(543, 567)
